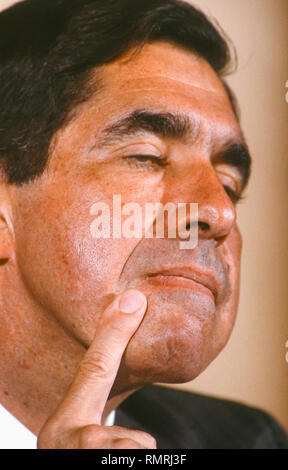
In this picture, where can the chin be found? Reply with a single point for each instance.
(173, 372)
(171, 359)
(174, 343)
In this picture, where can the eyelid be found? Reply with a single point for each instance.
(139, 147)
(162, 161)
(232, 185)
(232, 178)
(235, 198)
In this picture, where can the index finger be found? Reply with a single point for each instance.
(86, 399)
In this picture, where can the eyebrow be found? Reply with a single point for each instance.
(235, 152)
(165, 124)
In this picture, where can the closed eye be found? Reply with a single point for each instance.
(235, 198)
(142, 161)
(146, 160)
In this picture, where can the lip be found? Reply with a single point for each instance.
(204, 282)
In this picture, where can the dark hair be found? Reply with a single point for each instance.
(48, 49)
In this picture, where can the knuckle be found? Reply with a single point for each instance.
(48, 436)
(153, 443)
(94, 368)
(91, 436)
(150, 440)
(42, 442)
(147, 439)
(126, 443)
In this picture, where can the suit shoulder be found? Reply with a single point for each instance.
(210, 422)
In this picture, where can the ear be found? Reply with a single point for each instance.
(6, 227)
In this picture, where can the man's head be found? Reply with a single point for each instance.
(119, 98)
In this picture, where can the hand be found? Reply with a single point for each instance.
(76, 424)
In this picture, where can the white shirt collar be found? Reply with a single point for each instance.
(14, 435)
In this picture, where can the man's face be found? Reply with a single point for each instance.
(163, 103)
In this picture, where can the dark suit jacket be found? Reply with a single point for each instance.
(184, 420)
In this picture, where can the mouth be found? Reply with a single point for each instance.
(200, 282)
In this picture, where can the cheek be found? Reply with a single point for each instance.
(231, 254)
(69, 274)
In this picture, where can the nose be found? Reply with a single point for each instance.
(216, 211)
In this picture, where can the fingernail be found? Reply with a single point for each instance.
(131, 301)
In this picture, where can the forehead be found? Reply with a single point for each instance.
(161, 77)
(163, 64)
(165, 77)
(166, 61)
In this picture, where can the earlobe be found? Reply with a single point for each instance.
(6, 234)
(6, 247)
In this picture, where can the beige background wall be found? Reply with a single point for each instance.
(252, 368)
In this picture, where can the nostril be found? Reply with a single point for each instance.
(191, 224)
(203, 226)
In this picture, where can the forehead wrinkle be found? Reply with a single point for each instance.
(162, 79)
